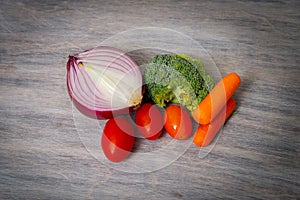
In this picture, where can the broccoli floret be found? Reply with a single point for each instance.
(177, 78)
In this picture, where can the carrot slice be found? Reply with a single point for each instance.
(206, 133)
(212, 104)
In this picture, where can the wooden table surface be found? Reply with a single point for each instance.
(256, 156)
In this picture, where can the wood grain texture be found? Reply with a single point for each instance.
(256, 157)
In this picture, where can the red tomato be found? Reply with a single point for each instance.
(117, 139)
(178, 122)
(149, 121)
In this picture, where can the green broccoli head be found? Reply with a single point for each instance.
(177, 79)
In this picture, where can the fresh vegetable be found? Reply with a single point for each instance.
(103, 82)
(149, 121)
(117, 139)
(177, 122)
(209, 108)
(206, 133)
(177, 79)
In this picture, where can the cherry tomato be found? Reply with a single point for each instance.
(117, 139)
(149, 121)
(178, 122)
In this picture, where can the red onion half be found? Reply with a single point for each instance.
(104, 82)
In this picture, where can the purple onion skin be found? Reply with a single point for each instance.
(95, 114)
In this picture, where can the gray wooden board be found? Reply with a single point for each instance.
(257, 154)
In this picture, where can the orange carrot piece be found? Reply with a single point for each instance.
(212, 104)
(206, 133)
